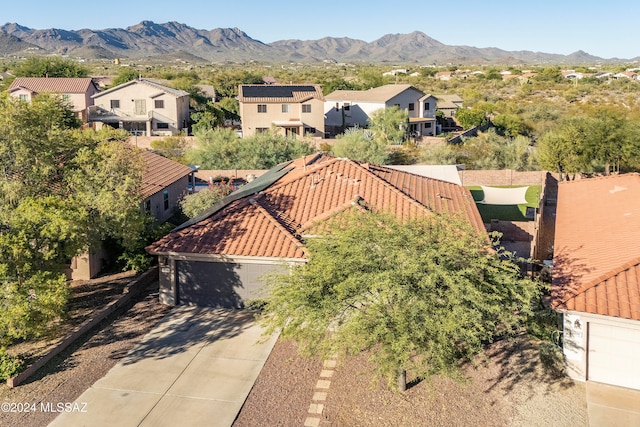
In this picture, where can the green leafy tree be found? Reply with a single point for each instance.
(126, 74)
(172, 147)
(215, 149)
(562, 149)
(421, 295)
(221, 148)
(470, 117)
(361, 144)
(264, 150)
(231, 108)
(197, 203)
(389, 124)
(62, 191)
(211, 117)
(50, 67)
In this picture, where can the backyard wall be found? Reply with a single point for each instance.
(502, 177)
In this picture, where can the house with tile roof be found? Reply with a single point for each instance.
(596, 277)
(217, 259)
(77, 92)
(353, 108)
(164, 184)
(291, 110)
(142, 107)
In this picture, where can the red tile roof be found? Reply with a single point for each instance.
(270, 224)
(597, 246)
(159, 173)
(53, 84)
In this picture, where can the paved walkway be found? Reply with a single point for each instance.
(195, 368)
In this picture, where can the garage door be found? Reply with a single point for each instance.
(614, 355)
(219, 284)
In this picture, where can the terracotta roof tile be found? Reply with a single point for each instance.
(160, 172)
(53, 84)
(597, 246)
(270, 224)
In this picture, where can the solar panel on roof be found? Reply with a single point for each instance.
(268, 91)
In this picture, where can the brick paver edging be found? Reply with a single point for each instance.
(133, 289)
(316, 408)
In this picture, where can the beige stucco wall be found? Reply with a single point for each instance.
(252, 120)
(175, 111)
(176, 192)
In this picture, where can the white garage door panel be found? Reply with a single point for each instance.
(614, 355)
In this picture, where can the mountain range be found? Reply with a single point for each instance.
(175, 40)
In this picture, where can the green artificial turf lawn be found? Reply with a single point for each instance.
(506, 212)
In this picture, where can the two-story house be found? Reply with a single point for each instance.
(350, 108)
(75, 91)
(143, 107)
(292, 110)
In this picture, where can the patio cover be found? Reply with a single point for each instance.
(504, 196)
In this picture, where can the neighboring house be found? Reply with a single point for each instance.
(626, 75)
(218, 259)
(75, 91)
(596, 278)
(142, 107)
(208, 91)
(353, 108)
(449, 104)
(164, 184)
(292, 110)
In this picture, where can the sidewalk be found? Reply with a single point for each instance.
(195, 368)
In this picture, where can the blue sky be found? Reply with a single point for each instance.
(546, 26)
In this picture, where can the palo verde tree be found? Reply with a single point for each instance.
(361, 144)
(420, 295)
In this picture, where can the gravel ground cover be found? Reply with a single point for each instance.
(508, 387)
(73, 371)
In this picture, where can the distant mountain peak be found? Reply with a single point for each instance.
(149, 39)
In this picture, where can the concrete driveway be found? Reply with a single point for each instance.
(612, 406)
(195, 368)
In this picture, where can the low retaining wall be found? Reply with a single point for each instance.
(132, 290)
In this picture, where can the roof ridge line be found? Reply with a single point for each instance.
(601, 278)
(311, 168)
(393, 188)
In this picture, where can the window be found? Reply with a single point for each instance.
(165, 197)
(309, 131)
(285, 108)
(426, 106)
(140, 107)
(66, 98)
(158, 103)
(260, 130)
(162, 125)
(262, 108)
(427, 125)
(115, 103)
(347, 106)
(147, 205)
(23, 97)
(411, 106)
(306, 108)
